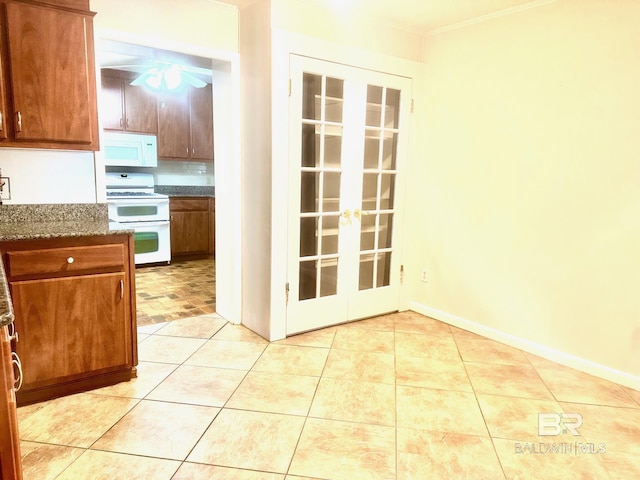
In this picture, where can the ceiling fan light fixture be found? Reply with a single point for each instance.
(170, 77)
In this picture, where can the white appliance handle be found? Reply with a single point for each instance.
(161, 223)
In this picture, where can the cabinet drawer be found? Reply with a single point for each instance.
(65, 260)
(189, 204)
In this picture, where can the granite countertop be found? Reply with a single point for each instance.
(26, 222)
(6, 309)
(186, 190)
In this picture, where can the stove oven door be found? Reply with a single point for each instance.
(152, 242)
(125, 210)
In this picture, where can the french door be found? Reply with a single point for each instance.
(348, 143)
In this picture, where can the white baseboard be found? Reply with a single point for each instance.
(557, 356)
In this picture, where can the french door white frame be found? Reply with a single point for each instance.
(350, 300)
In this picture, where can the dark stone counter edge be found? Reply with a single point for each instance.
(186, 190)
(6, 309)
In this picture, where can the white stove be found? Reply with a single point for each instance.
(133, 203)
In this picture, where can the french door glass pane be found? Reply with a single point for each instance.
(374, 106)
(308, 280)
(369, 191)
(331, 192)
(309, 194)
(311, 97)
(310, 145)
(308, 236)
(384, 269)
(320, 177)
(385, 227)
(332, 146)
(366, 271)
(389, 148)
(334, 100)
(367, 232)
(371, 149)
(392, 110)
(387, 182)
(378, 186)
(330, 227)
(328, 277)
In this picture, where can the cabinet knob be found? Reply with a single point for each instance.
(70, 260)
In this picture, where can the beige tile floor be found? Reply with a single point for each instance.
(395, 397)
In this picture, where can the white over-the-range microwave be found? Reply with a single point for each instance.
(130, 149)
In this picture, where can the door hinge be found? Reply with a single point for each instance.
(289, 87)
(412, 105)
(286, 292)
(401, 274)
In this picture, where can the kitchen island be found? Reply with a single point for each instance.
(71, 277)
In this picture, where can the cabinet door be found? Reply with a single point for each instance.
(71, 327)
(202, 123)
(189, 232)
(173, 125)
(112, 107)
(53, 77)
(141, 109)
(9, 438)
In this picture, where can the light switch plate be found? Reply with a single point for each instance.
(5, 189)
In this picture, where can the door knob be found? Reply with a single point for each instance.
(357, 213)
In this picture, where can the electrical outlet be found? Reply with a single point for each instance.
(5, 189)
(425, 276)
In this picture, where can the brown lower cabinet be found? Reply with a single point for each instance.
(10, 465)
(74, 307)
(192, 226)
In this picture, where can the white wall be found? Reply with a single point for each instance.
(531, 218)
(255, 113)
(337, 23)
(43, 176)
(196, 24)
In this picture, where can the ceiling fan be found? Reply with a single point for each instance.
(165, 76)
(168, 77)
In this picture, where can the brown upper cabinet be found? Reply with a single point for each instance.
(126, 107)
(47, 75)
(185, 124)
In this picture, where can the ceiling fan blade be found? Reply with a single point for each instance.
(139, 80)
(191, 80)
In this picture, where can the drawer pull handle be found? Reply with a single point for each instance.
(70, 260)
(17, 365)
(13, 334)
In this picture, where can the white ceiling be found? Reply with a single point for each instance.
(420, 16)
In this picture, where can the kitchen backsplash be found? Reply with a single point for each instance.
(171, 172)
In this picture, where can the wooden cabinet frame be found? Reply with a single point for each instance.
(47, 75)
(77, 322)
